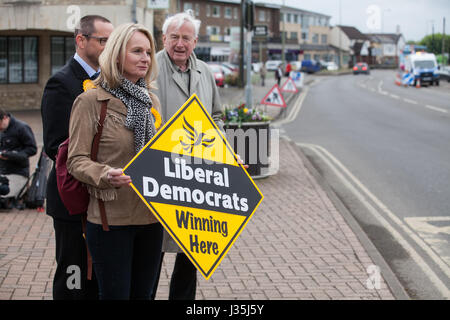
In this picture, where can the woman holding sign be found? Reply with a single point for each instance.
(126, 248)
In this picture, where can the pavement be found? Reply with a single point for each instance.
(300, 244)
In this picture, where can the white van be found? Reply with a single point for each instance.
(424, 67)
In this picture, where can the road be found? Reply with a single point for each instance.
(384, 149)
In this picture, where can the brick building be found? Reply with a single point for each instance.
(36, 39)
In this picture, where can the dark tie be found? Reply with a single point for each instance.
(95, 75)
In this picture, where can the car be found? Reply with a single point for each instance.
(231, 67)
(330, 65)
(296, 65)
(361, 67)
(218, 73)
(310, 66)
(444, 73)
(272, 65)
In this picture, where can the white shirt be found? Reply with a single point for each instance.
(89, 70)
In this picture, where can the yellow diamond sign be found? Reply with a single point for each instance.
(189, 177)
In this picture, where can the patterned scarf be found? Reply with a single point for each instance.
(138, 103)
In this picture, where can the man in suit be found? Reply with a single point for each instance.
(70, 280)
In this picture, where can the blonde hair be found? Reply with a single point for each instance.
(112, 58)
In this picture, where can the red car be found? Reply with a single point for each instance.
(216, 69)
(361, 67)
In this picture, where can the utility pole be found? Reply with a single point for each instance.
(249, 19)
(283, 36)
(241, 46)
(443, 42)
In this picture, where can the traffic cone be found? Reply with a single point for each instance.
(418, 83)
(398, 79)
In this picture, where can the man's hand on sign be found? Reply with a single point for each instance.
(242, 162)
(117, 179)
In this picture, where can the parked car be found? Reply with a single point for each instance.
(444, 73)
(310, 66)
(218, 73)
(330, 65)
(361, 67)
(296, 65)
(231, 67)
(272, 65)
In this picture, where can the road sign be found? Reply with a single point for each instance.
(289, 86)
(260, 31)
(297, 77)
(274, 97)
(190, 179)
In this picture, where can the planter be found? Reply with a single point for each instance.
(251, 142)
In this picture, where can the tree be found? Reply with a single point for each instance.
(434, 43)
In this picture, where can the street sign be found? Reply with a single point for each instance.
(190, 179)
(289, 86)
(260, 31)
(297, 77)
(274, 97)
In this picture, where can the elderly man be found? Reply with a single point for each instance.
(181, 74)
(60, 92)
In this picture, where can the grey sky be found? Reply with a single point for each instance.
(414, 16)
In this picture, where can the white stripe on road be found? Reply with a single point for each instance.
(436, 109)
(394, 96)
(410, 101)
(339, 169)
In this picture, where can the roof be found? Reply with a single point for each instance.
(353, 33)
(384, 37)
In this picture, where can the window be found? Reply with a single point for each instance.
(281, 17)
(304, 35)
(324, 38)
(18, 59)
(294, 35)
(295, 18)
(315, 38)
(235, 13)
(212, 30)
(288, 18)
(216, 12)
(61, 50)
(187, 6)
(262, 15)
(208, 10)
(228, 13)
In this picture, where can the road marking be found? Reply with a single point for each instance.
(339, 169)
(296, 108)
(436, 109)
(410, 101)
(380, 90)
(435, 231)
(394, 96)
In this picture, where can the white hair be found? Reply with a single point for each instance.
(180, 18)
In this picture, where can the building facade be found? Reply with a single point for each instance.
(36, 39)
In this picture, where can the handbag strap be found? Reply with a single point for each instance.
(94, 152)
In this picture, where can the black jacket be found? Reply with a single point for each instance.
(59, 95)
(17, 144)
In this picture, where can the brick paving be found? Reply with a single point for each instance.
(296, 246)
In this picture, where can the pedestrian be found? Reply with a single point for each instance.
(17, 145)
(126, 252)
(278, 74)
(181, 75)
(262, 73)
(288, 69)
(62, 88)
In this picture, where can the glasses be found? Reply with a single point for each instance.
(176, 38)
(100, 40)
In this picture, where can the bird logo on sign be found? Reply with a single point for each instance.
(195, 138)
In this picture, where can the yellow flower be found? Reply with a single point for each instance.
(88, 84)
(157, 118)
(245, 110)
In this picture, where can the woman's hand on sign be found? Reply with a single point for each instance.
(117, 179)
(241, 162)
